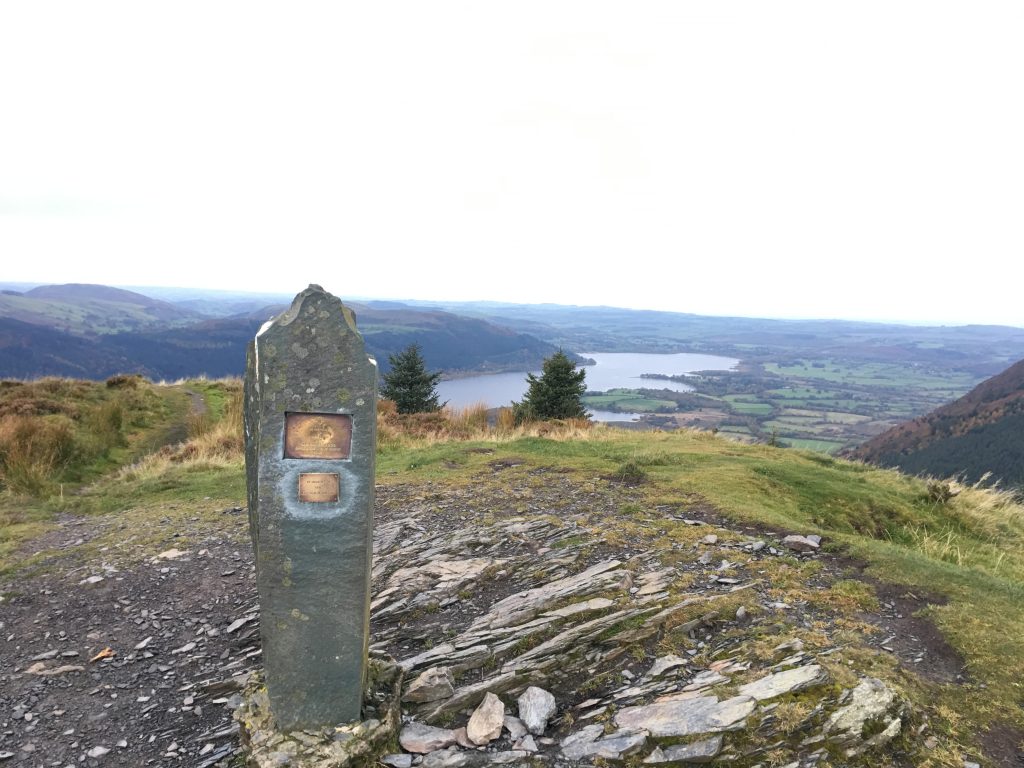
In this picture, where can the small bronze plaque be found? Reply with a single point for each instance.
(317, 435)
(319, 487)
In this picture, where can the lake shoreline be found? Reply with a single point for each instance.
(610, 371)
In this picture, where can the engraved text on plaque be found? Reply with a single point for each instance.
(317, 436)
(319, 487)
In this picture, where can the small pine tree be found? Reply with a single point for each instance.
(408, 383)
(556, 394)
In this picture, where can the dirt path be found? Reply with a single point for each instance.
(197, 403)
(159, 694)
(178, 431)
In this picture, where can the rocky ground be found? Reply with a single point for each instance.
(113, 660)
(539, 618)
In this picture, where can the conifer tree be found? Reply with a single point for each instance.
(556, 393)
(408, 383)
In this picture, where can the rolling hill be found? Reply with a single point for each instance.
(982, 432)
(60, 337)
(89, 310)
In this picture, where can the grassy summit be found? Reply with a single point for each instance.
(903, 556)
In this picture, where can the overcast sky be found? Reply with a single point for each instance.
(785, 159)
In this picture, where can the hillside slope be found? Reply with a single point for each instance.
(28, 351)
(449, 342)
(982, 432)
(85, 309)
(216, 347)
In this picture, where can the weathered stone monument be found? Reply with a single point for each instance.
(310, 429)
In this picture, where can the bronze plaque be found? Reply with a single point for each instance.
(317, 435)
(319, 487)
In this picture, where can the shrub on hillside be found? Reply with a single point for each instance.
(32, 450)
(412, 388)
(125, 381)
(556, 394)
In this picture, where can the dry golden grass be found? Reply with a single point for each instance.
(412, 430)
(198, 424)
(506, 420)
(32, 449)
(211, 444)
(472, 418)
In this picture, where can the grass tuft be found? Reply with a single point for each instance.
(32, 450)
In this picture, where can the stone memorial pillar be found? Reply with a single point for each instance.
(310, 437)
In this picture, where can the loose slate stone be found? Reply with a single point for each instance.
(587, 735)
(871, 700)
(802, 543)
(432, 684)
(40, 668)
(447, 758)
(523, 606)
(664, 663)
(487, 720)
(703, 751)
(688, 717)
(421, 738)
(516, 728)
(527, 744)
(789, 681)
(462, 739)
(536, 707)
(310, 425)
(586, 744)
(796, 644)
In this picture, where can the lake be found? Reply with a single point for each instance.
(613, 370)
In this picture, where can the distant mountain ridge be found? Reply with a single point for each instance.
(91, 291)
(94, 331)
(983, 350)
(87, 310)
(981, 432)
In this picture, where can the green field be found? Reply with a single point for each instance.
(745, 404)
(873, 374)
(821, 446)
(626, 400)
